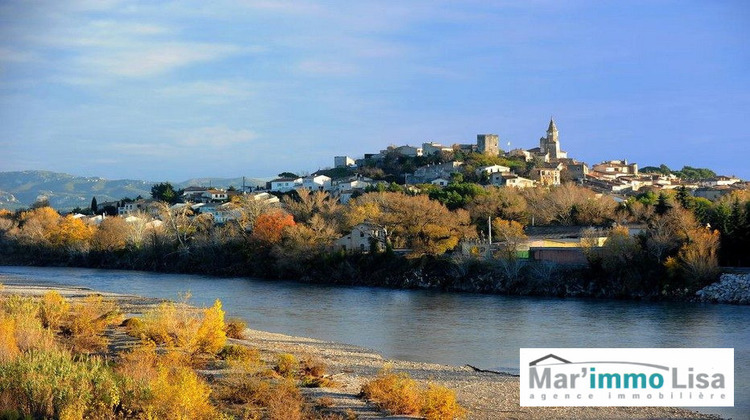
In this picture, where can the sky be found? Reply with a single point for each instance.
(172, 90)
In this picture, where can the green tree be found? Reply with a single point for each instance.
(94, 208)
(164, 192)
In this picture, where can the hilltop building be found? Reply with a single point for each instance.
(488, 144)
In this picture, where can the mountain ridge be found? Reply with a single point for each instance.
(20, 189)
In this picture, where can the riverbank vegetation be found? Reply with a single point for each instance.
(682, 240)
(82, 359)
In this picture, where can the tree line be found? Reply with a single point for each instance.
(683, 242)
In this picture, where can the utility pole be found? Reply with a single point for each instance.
(489, 229)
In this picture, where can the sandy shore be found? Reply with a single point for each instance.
(485, 395)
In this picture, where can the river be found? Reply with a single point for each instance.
(427, 326)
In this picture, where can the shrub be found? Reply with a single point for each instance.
(285, 402)
(312, 372)
(286, 364)
(51, 384)
(178, 394)
(235, 328)
(133, 326)
(245, 358)
(52, 309)
(29, 332)
(136, 369)
(210, 337)
(396, 393)
(8, 345)
(87, 322)
(440, 404)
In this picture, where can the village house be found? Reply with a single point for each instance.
(719, 181)
(441, 182)
(615, 168)
(317, 183)
(506, 179)
(284, 184)
(491, 169)
(138, 206)
(425, 174)
(547, 174)
(364, 237)
(432, 148)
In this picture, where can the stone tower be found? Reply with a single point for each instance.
(488, 144)
(550, 144)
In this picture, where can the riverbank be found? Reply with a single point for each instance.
(485, 395)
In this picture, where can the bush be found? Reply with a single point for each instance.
(210, 337)
(286, 364)
(440, 404)
(245, 358)
(51, 384)
(285, 402)
(87, 322)
(178, 393)
(52, 309)
(235, 328)
(29, 332)
(312, 372)
(8, 345)
(395, 393)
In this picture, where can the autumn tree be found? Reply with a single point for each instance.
(569, 204)
(112, 235)
(72, 234)
(304, 204)
(426, 226)
(269, 226)
(510, 234)
(503, 203)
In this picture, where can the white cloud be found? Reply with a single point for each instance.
(214, 137)
(142, 60)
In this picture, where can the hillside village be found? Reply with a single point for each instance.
(434, 166)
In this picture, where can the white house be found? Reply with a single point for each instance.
(317, 183)
(505, 179)
(363, 238)
(285, 184)
(492, 169)
(443, 182)
(137, 206)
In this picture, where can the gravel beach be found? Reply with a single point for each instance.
(485, 395)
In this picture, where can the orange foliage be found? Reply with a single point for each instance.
(269, 226)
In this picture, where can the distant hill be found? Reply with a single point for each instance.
(65, 191)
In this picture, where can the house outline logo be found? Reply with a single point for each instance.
(549, 356)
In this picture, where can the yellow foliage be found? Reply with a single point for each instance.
(8, 346)
(87, 322)
(440, 404)
(210, 337)
(178, 394)
(396, 393)
(285, 402)
(52, 309)
(29, 332)
(235, 328)
(72, 233)
(286, 364)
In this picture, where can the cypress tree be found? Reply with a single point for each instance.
(94, 208)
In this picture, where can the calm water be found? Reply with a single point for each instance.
(482, 330)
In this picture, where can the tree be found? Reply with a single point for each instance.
(112, 235)
(269, 226)
(416, 222)
(288, 175)
(94, 208)
(165, 192)
(510, 234)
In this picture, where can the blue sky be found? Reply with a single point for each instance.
(164, 90)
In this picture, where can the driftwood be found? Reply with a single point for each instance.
(476, 369)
